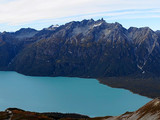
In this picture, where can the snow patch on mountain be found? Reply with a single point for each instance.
(52, 27)
(96, 25)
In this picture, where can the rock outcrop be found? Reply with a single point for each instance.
(150, 111)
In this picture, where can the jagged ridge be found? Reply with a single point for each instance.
(83, 49)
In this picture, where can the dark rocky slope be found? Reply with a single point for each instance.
(91, 49)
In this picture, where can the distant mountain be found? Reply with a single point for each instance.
(52, 27)
(88, 48)
(25, 33)
(85, 49)
(12, 43)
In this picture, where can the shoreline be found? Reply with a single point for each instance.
(140, 86)
(125, 89)
(137, 85)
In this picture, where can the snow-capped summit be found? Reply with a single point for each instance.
(52, 27)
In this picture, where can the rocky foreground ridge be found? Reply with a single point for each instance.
(150, 111)
(18, 114)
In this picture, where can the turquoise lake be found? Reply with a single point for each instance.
(65, 94)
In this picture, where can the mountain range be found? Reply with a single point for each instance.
(88, 48)
(83, 49)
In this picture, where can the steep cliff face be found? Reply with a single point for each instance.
(84, 49)
(147, 47)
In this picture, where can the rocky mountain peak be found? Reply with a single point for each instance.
(158, 31)
(96, 41)
(25, 30)
(118, 24)
(52, 27)
(25, 33)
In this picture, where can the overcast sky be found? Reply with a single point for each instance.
(15, 14)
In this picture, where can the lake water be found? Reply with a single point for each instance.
(65, 94)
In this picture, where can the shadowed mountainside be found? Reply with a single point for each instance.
(83, 49)
(87, 48)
